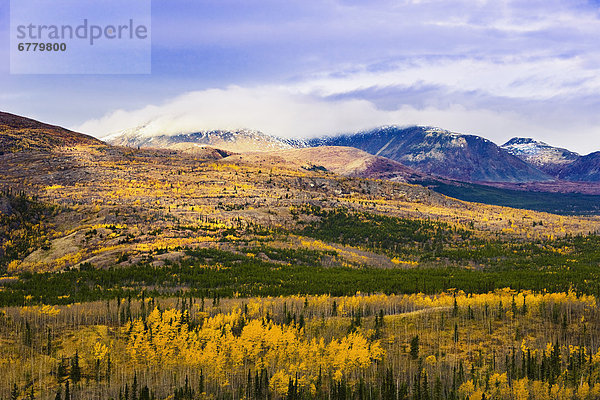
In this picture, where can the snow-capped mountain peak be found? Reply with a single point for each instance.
(544, 156)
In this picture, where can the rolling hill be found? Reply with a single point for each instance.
(346, 161)
(153, 193)
(20, 133)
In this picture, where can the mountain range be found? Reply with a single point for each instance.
(561, 163)
(426, 150)
(441, 153)
(467, 167)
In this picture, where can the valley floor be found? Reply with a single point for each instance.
(499, 345)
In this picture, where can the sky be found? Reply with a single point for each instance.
(304, 68)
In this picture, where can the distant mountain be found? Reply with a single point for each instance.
(442, 153)
(584, 169)
(430, 151)
(237, 141)
(543, 156)
(20, 133)
(346, 161)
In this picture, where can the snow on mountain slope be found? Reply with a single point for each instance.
(545, 157)
(442, 153)
(239, 141)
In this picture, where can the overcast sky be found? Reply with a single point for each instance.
(497, 69)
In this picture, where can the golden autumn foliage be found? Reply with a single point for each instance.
(227, 344)
(108, 209)
(136, 193)
(474, 335)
